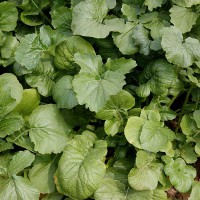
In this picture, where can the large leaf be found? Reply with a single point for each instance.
(17, 188)
(92, 86)
(179, 52)
(180, 174)
(11, 93)
(81, 169)
(48, 130)
(195, 194)
(8, 16)
(186, 3)
(183, 18)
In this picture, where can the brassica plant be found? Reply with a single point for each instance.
(99, 99)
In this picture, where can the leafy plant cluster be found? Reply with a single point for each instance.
(99, 99)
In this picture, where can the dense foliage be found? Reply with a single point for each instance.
(99, 99)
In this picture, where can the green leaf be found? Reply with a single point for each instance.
(120, 65)
(188, 125)
(88, 19)
(93, 87)
(112, 127)
(133, 129)
(124, 40)
(158, 76)
(64, 57)
(42, 174)
(153, 4)
(90, 14)
(195, 194)
(17, 188)
(146, 174)
(129, 12)
(81, 165)
(118, 103)
(53, 196)
(11, 93)
(154, 137)
(61, 19)
(43, 78)
(113, 189)
(8, 16)
(180, 174)
(10, 123)
(48, 130)
(179, 52)
(30, 101)
(20, 161)
(188, 153)
(5, 145)
(63, 93)
(186, 3)
(183, 18)
(196, 116)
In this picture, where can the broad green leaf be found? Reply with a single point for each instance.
(30, 101)
(30, 51)
(153, 4)
(43, 78)
(48, 130)
(158, 76)
(133, 130)
(117, 105)
(180, 174)
(8, 16)
(188, 153)
(11, 93)
(154, 137)
(120, 65)
(143, 158)
(63, 93)
(195, 193)
(87, 18)
(196, 116)
(186, 3)
(197, 148)
(10, 123)
(41, 174)
(81, 165)
(124, 40)
(53, 196)
(64, 58)
(188, 125)
(20, 161)
(113, 189)
(129, 12)
(159, 194)
(17, 187)
(61, 19)
(179, 52)
(183, 18)
(92, 85)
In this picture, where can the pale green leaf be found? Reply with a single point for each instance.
(153, 4)
(8, 16)
(195, 193)
(186, 3)
(188, 125)
(196, 116)
(179, 52)
(180, 174)
(20, 161)
(183, 18)
(80, 169)
(11, 93)
(42, 174)
(4, 145)
(10, 123)
(48, 130)
(129, 12)
(112, 127)
(133, 130)
(188, 153)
